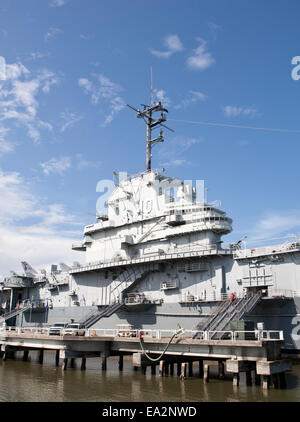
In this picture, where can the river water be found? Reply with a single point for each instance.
(33, 382)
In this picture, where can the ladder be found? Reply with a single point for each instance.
(226, 312)
(130, 278)
(14, 313)
(237, 311)
(94, 316)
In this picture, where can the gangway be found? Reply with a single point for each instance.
(94, 316)
(14, 313)
(228, 311)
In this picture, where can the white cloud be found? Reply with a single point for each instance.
(160, 95)
(194, 96)
(15, 70)
(56, 165)
(18, 97)
(201, 58)
(5, 145)
(84, 37)
(102, 88)
(52, 33)
(172, 44)
(176, 163)
(214, 28)
(47, 240)
(83, 163)
(172, 153)
(37, 55)
(274, 226)
(70, 119)
(58, 3)
(234, 111)
(278, 223)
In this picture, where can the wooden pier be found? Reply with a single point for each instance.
(260, 357)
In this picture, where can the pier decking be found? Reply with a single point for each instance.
(261, 355)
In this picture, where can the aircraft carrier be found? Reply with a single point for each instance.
(155, 260)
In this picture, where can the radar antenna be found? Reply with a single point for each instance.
(146, 115)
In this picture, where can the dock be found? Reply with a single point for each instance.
(260, 357)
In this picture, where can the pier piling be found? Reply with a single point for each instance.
(248, 378)
(201, 368)
(191, 369)
(172, 368)
(236, 379)
(121, 361)
(64, 364)
(221, 370)
(57, 358)
(25, 355)
(206, 373)
(183, 370)
(41, 356)
(153, 369)
(83, 364)
(161, 368)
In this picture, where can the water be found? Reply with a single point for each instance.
(32, 382)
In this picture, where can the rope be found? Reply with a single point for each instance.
(181, 331)
(237, 126)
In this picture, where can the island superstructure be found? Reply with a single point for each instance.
(155, 260)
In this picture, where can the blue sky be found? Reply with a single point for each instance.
(71, 67)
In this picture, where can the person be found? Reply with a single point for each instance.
(232, 297)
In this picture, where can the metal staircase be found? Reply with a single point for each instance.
(226, 312)
(94, 316)
(129, 278)
(14, 313)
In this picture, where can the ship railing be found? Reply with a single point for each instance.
(254, 335)
(172, 254)
(283, 293)
(269, 250)
(218, 297)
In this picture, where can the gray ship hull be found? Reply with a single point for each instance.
(276, 314)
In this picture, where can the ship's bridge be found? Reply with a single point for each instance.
(210, 217)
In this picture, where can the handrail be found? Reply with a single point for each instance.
(159, 334)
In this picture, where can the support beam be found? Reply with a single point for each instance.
(248, 378)
(104, 363)
(161, 368)
(83, 364)
(257, 379)
(57, 358)
(221, 370)
(172, 368)
(191, 369)
(41, 356)
(25, 355)
(266, 382)
(236, 379)
(64, 364)
(166, 369)
(153, 369)
(183, 370)
(178, 369)
(206, 373)
(201, 368)
(121, 362)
